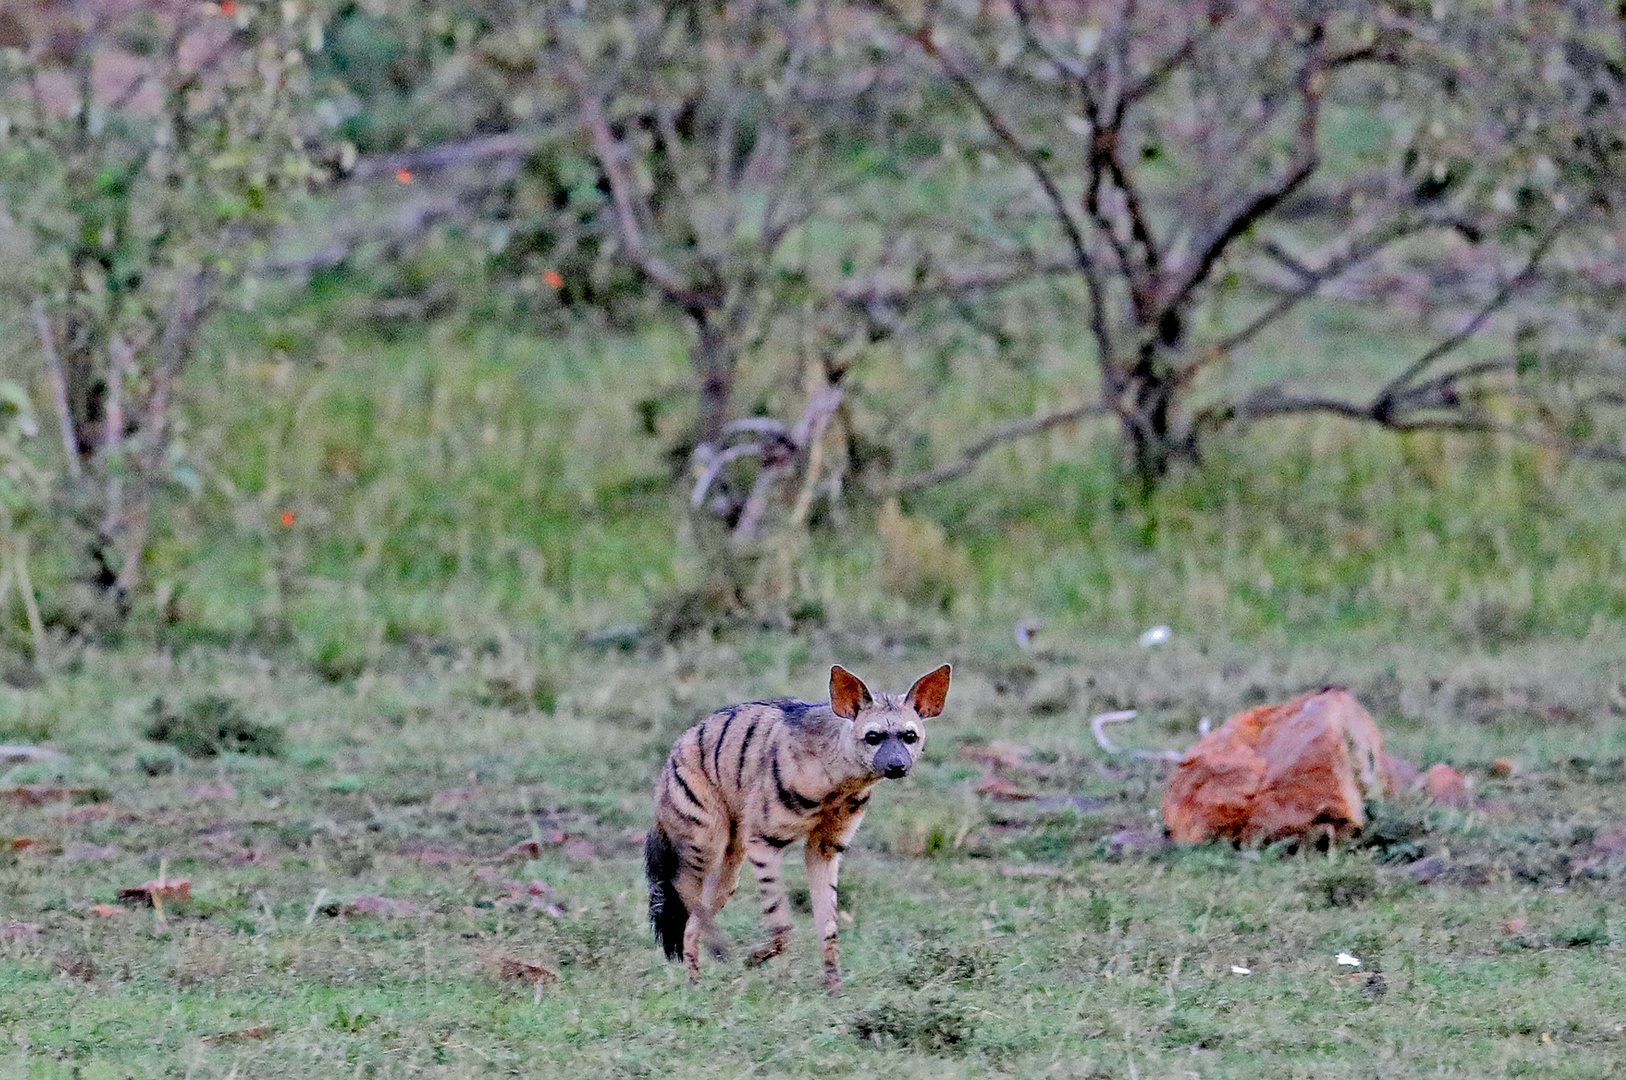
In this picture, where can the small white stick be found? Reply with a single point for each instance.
(310, 916)
(1100, 722)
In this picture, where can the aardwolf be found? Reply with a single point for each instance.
(750, 780)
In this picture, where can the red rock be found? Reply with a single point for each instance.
(1503, 767)
(1446, 786)
(1278, 771)
(997, 787)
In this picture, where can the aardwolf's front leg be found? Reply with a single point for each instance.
(823, 865)
(767, 859)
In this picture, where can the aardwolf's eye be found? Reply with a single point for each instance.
(910, 737)
(875, 738)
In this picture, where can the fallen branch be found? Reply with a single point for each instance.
(808, 431)
(508, 144)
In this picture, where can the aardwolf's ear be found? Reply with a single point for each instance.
(848, 693)
(927, 695)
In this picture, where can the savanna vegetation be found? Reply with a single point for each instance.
(414, 414)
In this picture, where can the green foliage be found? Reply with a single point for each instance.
(145, 154)
(209, 726)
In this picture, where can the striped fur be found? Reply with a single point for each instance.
(749, 781)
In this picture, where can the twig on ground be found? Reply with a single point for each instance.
(1098, 726)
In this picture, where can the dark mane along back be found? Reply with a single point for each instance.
(793, 708)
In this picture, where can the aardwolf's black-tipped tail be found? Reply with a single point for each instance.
(666, 911)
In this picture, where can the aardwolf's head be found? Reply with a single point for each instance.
(888, 730)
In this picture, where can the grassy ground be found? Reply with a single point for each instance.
(982, 936)
(375, 593)
(467, 475)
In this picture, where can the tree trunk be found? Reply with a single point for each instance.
(1147, 428)
(1146, 395)
(714, 369)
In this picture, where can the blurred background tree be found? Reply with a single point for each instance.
(149, 149)
(711, 309)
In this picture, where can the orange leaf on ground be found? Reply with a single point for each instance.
(997, 787)
(1503, 767)
(403, 176)
(161, 890)
(106, 911)
(553, 279)
(505, 967)
(1004, 754)
(22, 843)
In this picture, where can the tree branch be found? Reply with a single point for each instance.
(976, 451)
(1394, 387)
(509, 144)
(1312, 278)
(59, 388)
(611, 156)
(1035, 165)
(1249, 208)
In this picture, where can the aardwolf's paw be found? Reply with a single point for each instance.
(765, 953)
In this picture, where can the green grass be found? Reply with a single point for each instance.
(446, 480)
(985, 937)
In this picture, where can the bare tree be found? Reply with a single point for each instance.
(1199, 167)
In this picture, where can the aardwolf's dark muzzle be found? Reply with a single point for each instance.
(892, 760)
